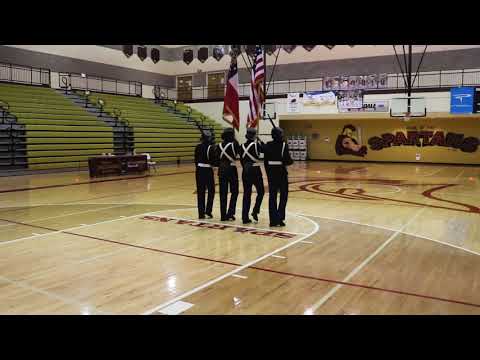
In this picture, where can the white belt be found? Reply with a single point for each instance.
(204, 165)
(233, 164)
(256, 164)
(275, 163)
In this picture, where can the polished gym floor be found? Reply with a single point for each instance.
(360, 239)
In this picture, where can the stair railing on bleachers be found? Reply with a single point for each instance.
(13, 147)
(158, 94)
(101, 103)
(66, 83)
(6, 115)
(126, 126)
(4, 107)
(87, 96)
(116, 115)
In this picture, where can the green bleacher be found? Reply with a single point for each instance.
(59, 134)
(166, 136)
(185, 110)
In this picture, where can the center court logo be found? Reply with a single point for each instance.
(231, 228)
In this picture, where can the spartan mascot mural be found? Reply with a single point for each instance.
(348, 144)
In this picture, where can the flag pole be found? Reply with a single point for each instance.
(264, 89)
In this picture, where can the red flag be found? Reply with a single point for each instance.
(257, 96)
(230, 103)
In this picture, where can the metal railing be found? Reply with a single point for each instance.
(24, 74)
(424, 80)
(6, 116)
(99, 84)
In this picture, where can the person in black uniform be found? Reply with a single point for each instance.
(251, 175)
(277, 158)
(204, 154)
(226, 154)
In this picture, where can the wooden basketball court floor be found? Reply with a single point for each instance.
(360, 239)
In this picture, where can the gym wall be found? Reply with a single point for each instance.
(449, 139)
(436, 102)
(93, 60)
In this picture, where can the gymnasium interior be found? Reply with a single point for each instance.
(98, 196)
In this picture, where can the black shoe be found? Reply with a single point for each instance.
(248, 221)
(201, 216)
(255, 217)
(281, 223)
(231, 217)
(273, 224)
(210, 216)
(224, 219)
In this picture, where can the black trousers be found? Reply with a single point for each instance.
(277, 183)
(252, 177)
(228, 178)
(205, 181)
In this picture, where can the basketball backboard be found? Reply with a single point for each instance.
(406, 107)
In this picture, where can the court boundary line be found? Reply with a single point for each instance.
(69, 214)
(242, 267)
(63, 299)
(157, 308)
(91, 182)
(459, 174)
(339, 282)
(403, 232)
(364, 263)
(54, 231)
(93, 258)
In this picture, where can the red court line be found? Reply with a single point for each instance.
(96, 197)
(400, 292)
(89, 182)
(121, 243)
(366, 286)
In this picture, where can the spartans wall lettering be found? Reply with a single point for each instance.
(425, 138)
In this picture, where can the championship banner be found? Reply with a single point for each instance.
(344, 82)
(371, 81)
(293, 102)
(361, 82)
(353, 81)
(382, 81)
(327, 85)
(336, 82)
(350, 100)
(319, 98)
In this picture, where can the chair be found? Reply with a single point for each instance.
(150, 163)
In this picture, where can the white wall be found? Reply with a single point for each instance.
(147, 91)
(102, 55)
(319, 53)
(215, 109)
(436, 102)
(299, 55)
(54, 80)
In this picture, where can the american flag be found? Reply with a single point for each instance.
(257, 96)
(230, 102)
